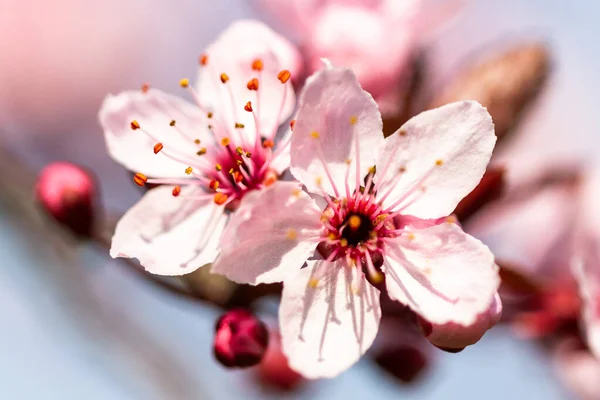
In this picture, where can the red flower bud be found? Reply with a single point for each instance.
(241, 339)
(68, 194)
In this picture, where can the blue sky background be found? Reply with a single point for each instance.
(86, 328)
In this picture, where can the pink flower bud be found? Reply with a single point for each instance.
(241, 339)
(68, 193)
(453, 338)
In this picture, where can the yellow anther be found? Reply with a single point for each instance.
(353, 120)
(348, 161)
(224, 77)
(402, 170)
(354, 222)
(380, 218)
(210, 114)
(185, 82)
(239, 151)
(315, 135)
(135, 125)
(313, 283)
(331, 236)
(197, 141)
(201, 152)
(402, 132)
(218, 167)
(439, 162)
(376, 277)
(319, 181)
(172, 123)
(239, 162)
(296, 193)
(239, 126)
(410, 236)
(188, 170)
(291, 234)
(343, 242)
(225, 141)
(451, 219)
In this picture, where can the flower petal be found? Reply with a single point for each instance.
(170, 235)
(270, 236)
(437, 158)
(333, 113)
(233, 53)
(326, 329)
(153, 110)
(442, 273)
(455, 336)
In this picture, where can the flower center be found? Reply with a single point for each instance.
(236, 158)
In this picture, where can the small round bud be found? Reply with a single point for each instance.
(241, 339)
(68, 194)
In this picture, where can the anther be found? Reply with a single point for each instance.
(248, 154)
(220, 198)
(239, 151)
(188, 170)
(313, 283)
(224, 77)
(284, 76)
(204, 59)
(225, 141)
(439, 162)
(354, 222)
(252, 84)
(292, 124)
(270, 178)
(197, 141)
(239, 126)
(218, 167)
(145, 87)
(209, 114)
(248, 107)
(185, 82)
(172, 123)
(214, 184)
(343, 242)
(291, 234)
(267, 144)
(135, 125)
(176, 191)
(140, 179)
(315, 135)
(257, 65)
(158, 147)
(201, 152)
(380, 218)
(353, 120)
(239, 162)
(402, 132)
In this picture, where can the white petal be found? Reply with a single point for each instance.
(326, 329)
(170, 235)
(270, 236)
(436, 159)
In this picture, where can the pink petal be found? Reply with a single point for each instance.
(233, 53)
(530, 233)
(326, 329)
(282, 161)
(270, 236)
(442, 273)
(437, 158)
(333, 113)
(154, 111)
(170, 235)
(455, 336)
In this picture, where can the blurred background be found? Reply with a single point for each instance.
(76, 324)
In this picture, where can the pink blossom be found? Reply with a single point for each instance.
(377, 39)
(207, 156)
(360, 222)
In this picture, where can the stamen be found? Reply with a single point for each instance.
(201, 152)
(184, 83)
(292, 124)
(252, 84)
(248, 107)
(376, 276)
(224, 77)
(239, 126)
(172, 123)
(135, 125)
(225, 141)
(284, 76)
(267, 144)
(257, 65)
(176, 191)
(220, 198)
(145, 88)
(140, 179)
(214, 184)
(203, 59)
(188, 170)
(158, 147)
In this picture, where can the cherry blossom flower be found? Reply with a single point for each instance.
(375, 38)
(207, 156)
(375, 216)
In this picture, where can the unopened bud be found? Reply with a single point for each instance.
(241, 339)
(68, 194)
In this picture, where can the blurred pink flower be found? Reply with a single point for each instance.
(329, 314)
(377, 39)
(207, 156)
